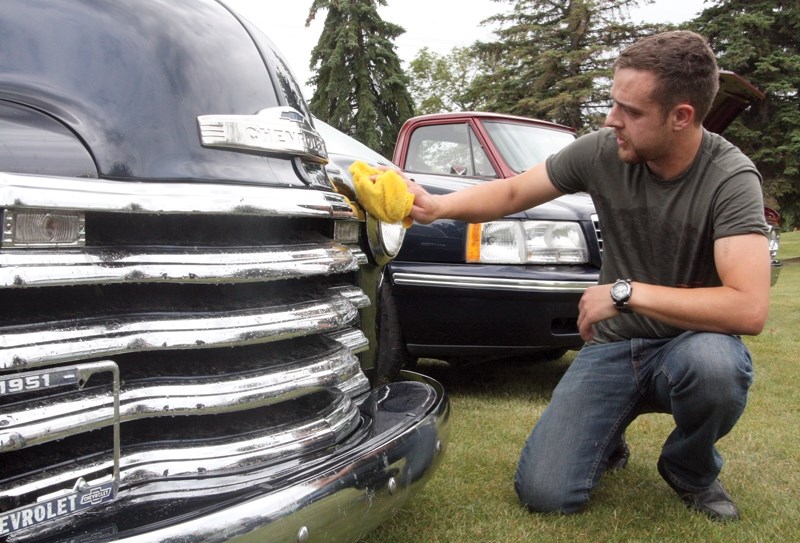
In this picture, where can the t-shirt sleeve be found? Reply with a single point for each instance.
(569, 168)
(739, 206)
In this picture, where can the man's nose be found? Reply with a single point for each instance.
(612, 119)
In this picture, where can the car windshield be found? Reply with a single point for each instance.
(525, 145)
(339, 143)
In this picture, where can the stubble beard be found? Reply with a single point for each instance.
(629, 156)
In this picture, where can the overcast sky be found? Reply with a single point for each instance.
(438, 24)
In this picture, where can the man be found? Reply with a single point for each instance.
(685, 272)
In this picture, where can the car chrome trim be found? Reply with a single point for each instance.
(275, 130)
(598, 232)
(459, 281)
(380, 250)
(65, 341)
(367, 482)
(355, 295)
(333, 424)
(355, 340)
(72, 193)
(38, 267)
(50, 419)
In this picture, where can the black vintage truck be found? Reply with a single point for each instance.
(188, 306)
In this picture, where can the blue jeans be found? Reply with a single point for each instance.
(700, 378)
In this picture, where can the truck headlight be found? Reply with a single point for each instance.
(385, 239)
(526, 242)
(774, 237)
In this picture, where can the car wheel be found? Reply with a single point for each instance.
(392, 353)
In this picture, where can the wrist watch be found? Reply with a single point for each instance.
(621, 292)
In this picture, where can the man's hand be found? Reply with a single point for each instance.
(424, 210)
(596, 305)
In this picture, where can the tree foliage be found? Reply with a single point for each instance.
(552, 59)
(360, 86)
(758, 39)
(439, 83)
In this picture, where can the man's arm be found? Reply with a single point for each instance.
(739, 306)
(485, 201)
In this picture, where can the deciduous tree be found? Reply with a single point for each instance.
(439, 83)
(758, 39)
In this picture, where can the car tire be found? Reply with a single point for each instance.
(392, 353)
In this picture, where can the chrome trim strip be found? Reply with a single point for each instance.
(354, 340)
(360, 255)
(458, 281)
(598, 232)
(65, 341)
(46, 420)
(72, 193)
(38, 268)
(356, 296)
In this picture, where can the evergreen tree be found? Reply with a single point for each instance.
(553, 58)
(360, 86)
(758, 39)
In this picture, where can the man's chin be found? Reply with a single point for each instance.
(629, 157)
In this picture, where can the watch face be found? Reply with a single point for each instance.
(619, 290)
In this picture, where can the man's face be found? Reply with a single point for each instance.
(642, 130)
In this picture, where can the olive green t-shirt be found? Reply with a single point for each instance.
(656, 231)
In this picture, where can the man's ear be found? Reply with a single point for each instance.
(683, 115)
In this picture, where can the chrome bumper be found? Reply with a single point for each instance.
(343, 497)
(347, 496)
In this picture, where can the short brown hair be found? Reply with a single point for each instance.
(684, 65)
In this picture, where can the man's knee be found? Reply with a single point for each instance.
(705, 373)
(715, 363)
(547, 492)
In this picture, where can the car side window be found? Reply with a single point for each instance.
(449, 149)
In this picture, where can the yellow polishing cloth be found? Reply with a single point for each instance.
(387, 198)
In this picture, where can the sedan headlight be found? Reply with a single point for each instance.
(774, 241)
(526, 242)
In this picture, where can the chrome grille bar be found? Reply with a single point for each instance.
(69, 414)
(65, 341)
(38, 268)
(206, 461)
(70, 193)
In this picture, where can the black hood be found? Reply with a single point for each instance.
(129, 79)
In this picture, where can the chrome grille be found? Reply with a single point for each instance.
(231, 313)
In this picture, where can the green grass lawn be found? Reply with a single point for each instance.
(471, 498)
